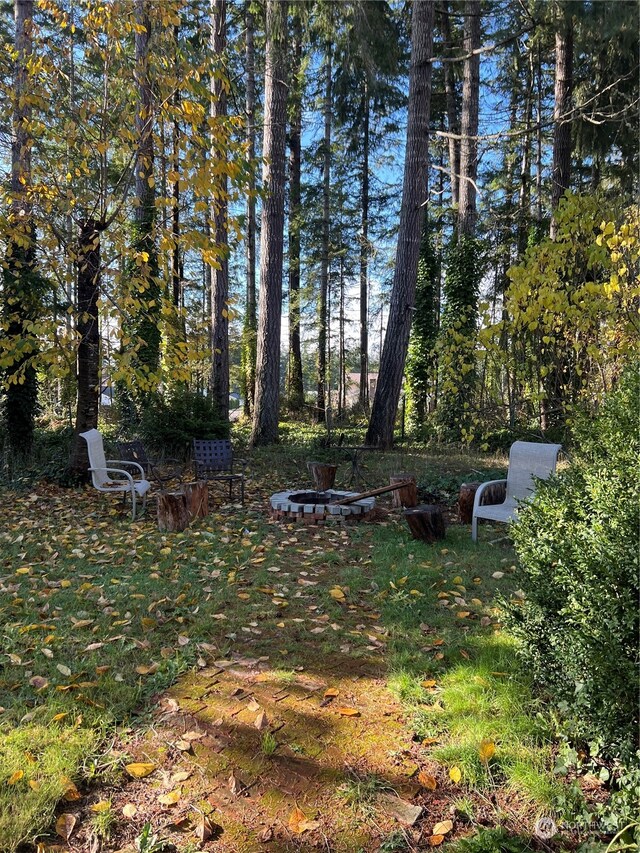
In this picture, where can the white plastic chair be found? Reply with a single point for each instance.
(527, 459)
(102, 468)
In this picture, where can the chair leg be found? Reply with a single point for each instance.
(242, 491)
(474, 528)
(133, 505)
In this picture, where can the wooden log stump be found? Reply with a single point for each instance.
(407, 496)
(324, 475)
(494, 494)
(426, 522)
(173, 513)
(197, 495)
(465, 501)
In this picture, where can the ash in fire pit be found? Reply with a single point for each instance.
(314, 507)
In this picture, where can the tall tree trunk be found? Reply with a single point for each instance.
(250, 327)
(220, 274)
(176, 255)
(364, 255)
(452, 107)
(324, 262)
(145, 210)
(561, 163)
(524, 195)
(538, 211)
(469, 122)
(267, 399)
(20, 292)
(295, 391)
(88, 272)
(394, 353)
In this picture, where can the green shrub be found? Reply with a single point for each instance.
(169, 423)
(578, 566)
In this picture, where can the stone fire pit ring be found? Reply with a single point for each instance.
(316, 507)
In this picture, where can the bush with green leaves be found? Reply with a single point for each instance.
(578, 566)
(169, 423)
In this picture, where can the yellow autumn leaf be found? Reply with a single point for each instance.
(129, 810)
(487, 750)
(171, 798)
(429, 741)
(455, 774)
(15, 777)
(430, 682)
(462, 614)
(140, 769)
(299, 822)
(71, 793)
(348, 712)
(336, 593)
(102, 806)
(57, 717)
(443, 827)
(34, 784)
(427, 781)
(147, 670)
(331, 692)
(435, 840)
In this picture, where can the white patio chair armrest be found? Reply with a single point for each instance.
(482, 488)
(128, 464)
(124, 473)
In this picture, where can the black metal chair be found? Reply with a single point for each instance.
(163, 472)
(213, 460)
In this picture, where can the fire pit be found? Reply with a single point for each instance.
(315, 507)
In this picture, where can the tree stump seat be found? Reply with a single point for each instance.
(426, 522)
(177, 509)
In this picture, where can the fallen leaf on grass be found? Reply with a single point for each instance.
(235, 785)
(443, 828)
(129, 810)
(38, 682)
(183, 745)
(265, 835)
(206, 828)
(180, 776)
(428, 741)
(15, 777)
(71, 793)
(462, 614)
(252, 705)
(299, 822)
(171, 798)
(430, 682)
(192, 735)
(261, 721)
(63, 669)
(455, 774)
(427, 781)
(331, 692)
(147, 670)
(140, 769)
(487, 750)
(336, 593)
(102, 806)
(435, 840)
(65, 825)
(348, 712)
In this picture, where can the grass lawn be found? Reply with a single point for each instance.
(378, 662)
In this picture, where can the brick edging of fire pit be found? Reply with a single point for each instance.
(282, 507)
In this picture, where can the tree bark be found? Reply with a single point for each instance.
(407, 496)
(561, 162)
(220, 274)
(324, 475)
(426, 523)
(88, 378)
(452, 107)
(296, 387)
(173, 513)
(469, 122)
(414, 197)
(364, 256)
(20, 294)
(250, 328)
(326, 226)
(267, 399)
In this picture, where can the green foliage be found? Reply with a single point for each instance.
(578, 550)
(168, 424)
(465, 265)
(496, 840)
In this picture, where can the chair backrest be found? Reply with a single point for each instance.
(529, 459)
(133, 451)
(97, 460)
(212, 454)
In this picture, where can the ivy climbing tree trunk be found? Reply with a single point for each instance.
(250, 326)
(295, 390)
(220, 274)
(88, 358)
(267, 397)
(20, 282)
(414, 196)
(452, 107)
